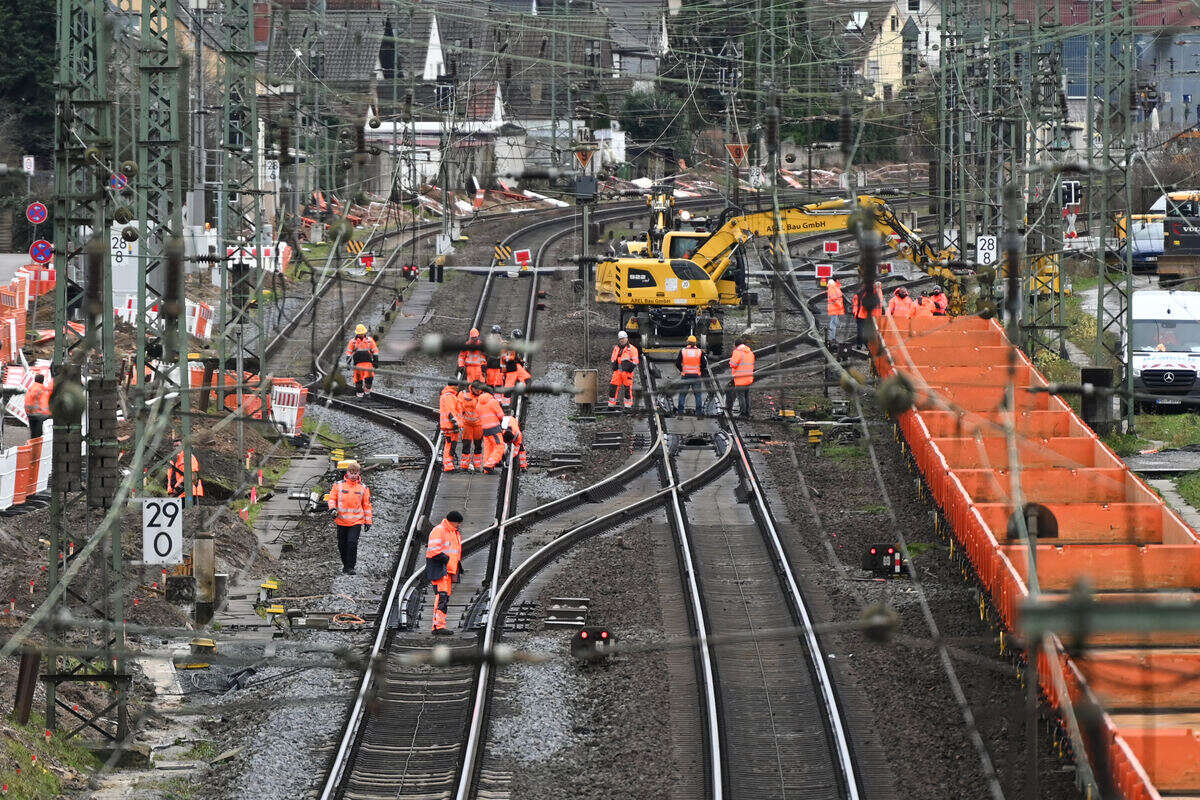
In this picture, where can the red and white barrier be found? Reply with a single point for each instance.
(8, 477)
(287, 406)
(199, 320)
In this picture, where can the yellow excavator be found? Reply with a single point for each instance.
(679, 282)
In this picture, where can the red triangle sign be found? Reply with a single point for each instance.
(737, 151)
(584, 157)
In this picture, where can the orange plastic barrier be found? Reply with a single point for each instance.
(25, 467)
(1113, 531)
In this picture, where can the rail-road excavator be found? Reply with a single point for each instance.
(677, 283)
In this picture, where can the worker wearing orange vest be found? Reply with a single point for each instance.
(512, 435)
(493, 372)
(449, 425)
(443, 557)
(363, 354)
(37, 405)
(471, 358)
(350, 504)
(176, 476)
(472, 431)
(691, 364)
(741, 368)
(924, 306)
(865, 304)
(901, 305)
(625, 361)
(941, 303)
(835, 306)
(491, 414)
(515, 372)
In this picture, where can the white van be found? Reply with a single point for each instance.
(1166, 348)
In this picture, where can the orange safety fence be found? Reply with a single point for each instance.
(1113, 530)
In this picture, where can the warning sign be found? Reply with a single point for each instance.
(584, 157)
(824, 271)
(523, 257)
(737, 151)
(832, 246)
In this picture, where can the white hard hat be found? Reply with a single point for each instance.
(622, 335)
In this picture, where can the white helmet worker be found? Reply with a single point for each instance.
(622, 335)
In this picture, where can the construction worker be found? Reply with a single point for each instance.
(512, 435)
(864, 304)
(741, 368)
(691, 364)
(471, 358)
(472, 433)
(363, 354)
(350, 504)
(493, 372)
(924, 306)
(625, 361)
(491, 414)
(37, 405)
(450, 426)
(900, 306)
(515, 372)
(835, 306)
(941, 303)
(177, 477)
(443, 555)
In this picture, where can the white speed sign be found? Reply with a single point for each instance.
(162, 530)
(987, 250)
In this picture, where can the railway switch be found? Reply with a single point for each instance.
(884, 560)
(592, 643)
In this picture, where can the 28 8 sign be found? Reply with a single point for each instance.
(162, 530)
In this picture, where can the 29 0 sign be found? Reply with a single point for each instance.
(162, 530)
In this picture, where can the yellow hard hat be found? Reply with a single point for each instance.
(361, 330)
(692, 340)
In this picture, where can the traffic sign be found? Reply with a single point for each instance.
(117, 181)
(28, 164)
(502, 253)
(584, 157)
(832, 246)
(367, 260)
(523, 257)
(987, 250)
(41, 251)
(162, 530)
(824, 271)
(885, 268)
(737, 151)
(36, 213)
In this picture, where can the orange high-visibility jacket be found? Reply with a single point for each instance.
(490, 411)
(468, 408)
(362, 350)
(860, 309)
(741, 365)
(352, 501)
(941, 304)
(625, 358)
(175, 476)
(37, 400)
(835, 301)
(445, 540)
(900, 307)
(690, 361)
(515, 428)
(448, 408)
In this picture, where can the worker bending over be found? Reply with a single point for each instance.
(37, 405)
(692, 365)
(513, 436)
(471, 358)
(491, 414)
(472, 433)
(177, 476)
(493, 372)
(741, 368)
(625, 361)
(363, 354)
(450, 426)
(515, 372)
(350, 504)
(443, 556)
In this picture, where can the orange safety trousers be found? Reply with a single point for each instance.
(442, 586)
(472, 436)
(621, 379)
(449, 446)
(493, 447)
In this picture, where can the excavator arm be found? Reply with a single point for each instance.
(716, 253)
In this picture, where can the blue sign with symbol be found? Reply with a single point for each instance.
(36, 213)
(118, 181)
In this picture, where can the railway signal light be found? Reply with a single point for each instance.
(884, 560)
(592, 643)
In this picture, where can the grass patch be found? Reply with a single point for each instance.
(203, 750)
(876, 508)
(35, 781)
(1126, 444)
(1189, 488)
(843, 453)
(918, 549)
(1173, 430)
(322, 432)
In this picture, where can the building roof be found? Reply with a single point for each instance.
(349, 46)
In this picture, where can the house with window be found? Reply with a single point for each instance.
(903, 42)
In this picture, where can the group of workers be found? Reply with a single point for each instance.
(476, 417)
(692, 364)
(867, 303)
(498, 366)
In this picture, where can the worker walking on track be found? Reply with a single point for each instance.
(362, 353)
(450, 426)
(625, 359)
(37, 405)
(692, 365)
(515, 373)
(443, 555)
(177, 476)
(471, 358)
(835, 306)
(350, 505)
(491, 414)
(472, 432)
(513, 436)
(741, 368)
(493, 372)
